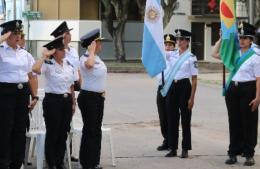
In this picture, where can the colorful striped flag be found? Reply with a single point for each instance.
(153, 53)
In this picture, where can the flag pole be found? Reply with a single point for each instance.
(163, 78)
(224, 78)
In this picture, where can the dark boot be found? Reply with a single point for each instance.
(249, 161)
(172, 153)
(231, 160)
(162, 147)
(184, 154)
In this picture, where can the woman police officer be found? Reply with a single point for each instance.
(243, 97)
(180, 94)
(15, 86)
(91, 99)
(58, 103)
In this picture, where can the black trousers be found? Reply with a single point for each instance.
(91, 105)
(243, 122)
(57, 112)
(161, 106)
(13, 120)
(177, 105)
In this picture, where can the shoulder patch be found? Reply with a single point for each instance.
(1, 46)
(48, 62)
(196, 65)
(86, 55)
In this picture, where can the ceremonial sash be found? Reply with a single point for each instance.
(239, 62)
(172, 73)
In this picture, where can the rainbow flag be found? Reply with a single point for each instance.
(229, 43)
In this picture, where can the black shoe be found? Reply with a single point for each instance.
(74, 159)
(96, 167)
(162, 147)
(184, 154)
(231, 160)
(29, 163)
(172, 153)
(249, 161)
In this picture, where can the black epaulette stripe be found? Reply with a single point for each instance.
(1, 46)
(69, 63)
(86, 55)
(48, 62)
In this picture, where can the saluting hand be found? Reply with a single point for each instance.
(92, 47)
(47, 53)
(5, 36)
(254, 104)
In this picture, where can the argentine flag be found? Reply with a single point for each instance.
(153, 53)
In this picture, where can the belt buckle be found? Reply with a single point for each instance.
(65, 95)
(20, 86)
(236, 83)
(103, 94)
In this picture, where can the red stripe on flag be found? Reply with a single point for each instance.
(226, 11)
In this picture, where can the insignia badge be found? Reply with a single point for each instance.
(196, 64)
(168, 38)
(178, 34)
(152, 14)
(17, 24)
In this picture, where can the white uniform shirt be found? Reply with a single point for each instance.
(168, 59)
(249, 70)
(58, 79)
(72, 56)
(93, 79)
(188, 69)
(14, 64)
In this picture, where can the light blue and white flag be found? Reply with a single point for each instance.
(153, 53)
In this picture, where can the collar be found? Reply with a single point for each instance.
(6, 46)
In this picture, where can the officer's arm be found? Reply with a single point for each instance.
(193, 87)
(38, 64)
(216, 48)
(89, 64)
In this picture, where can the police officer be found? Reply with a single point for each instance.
(169, 42)
(243, 98)
(58, 102)
(72, 56)
(181, 94)
(15, 72)
(91, 99)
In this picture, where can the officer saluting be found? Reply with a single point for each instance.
(15, 71)
(180, 93)
(243, 97)
(58, 101)
(169, 43)
(91, 99)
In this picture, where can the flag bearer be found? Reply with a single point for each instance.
(169, 42)
(243, 98)
(180, 94)
(58, 101)
(91, 99)
(15, 74)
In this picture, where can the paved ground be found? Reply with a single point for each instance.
(130, 110)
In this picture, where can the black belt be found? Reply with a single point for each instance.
(182, 80)
(65, 95)
(19, 86)
(248, 83)
(92, 93)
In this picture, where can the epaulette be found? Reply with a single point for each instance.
(69, 63)
(48, 62)
(1, 46)
(86, 55)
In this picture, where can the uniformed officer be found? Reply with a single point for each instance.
(15, 72)
(91, 99)
(58, 102)
(72, 56)
(169, 42)
(181, 94)
(243, 98)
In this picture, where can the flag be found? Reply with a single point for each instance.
(229, 43)
(153, 53)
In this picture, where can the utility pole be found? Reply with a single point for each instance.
(251, 11)
(14, 3)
